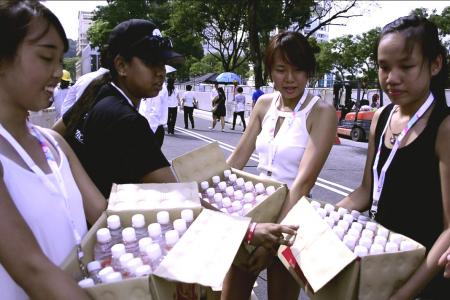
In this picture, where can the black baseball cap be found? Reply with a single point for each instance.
(141, 38)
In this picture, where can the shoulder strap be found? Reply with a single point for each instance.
(310, 105)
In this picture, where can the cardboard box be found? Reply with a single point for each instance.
(188, 268)
(327, 269)
(207, 161)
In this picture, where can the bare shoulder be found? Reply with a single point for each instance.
(263, 104)
(443, 136)
(59, 139)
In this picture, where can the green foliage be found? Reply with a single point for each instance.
(98, 33)
(69, 65)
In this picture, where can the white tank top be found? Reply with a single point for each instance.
(44, 213)
(280, 156)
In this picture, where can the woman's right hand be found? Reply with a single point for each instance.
(270, 236)
(444, 261)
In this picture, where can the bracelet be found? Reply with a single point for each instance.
(250, 232)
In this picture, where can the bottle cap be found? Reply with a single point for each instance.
(367, 233)
(379, 239)
(395, 238)
(222, 185)
(113, 222)
(249, 198)
(321, 212)
(259, 187)
(344, 224)
(270, 190)
(349, 241)
(366, 242)
(138, 221)
(143, 270)
(85, 283)
(260, 198)
(144, 242)
(117, 250)
(218, 197)
(355, 214)
(230, 191)
(204, 185)
(128, 234)
(249, 187)
(226, 173)
(125, 258)
(232, 177)
(354, 232)
(226, 202)
(163, 217)
(210, 192)
(187, 215)
(372, 226)
(357, 226)
(180, 226)
(237, 205)
(335, 215)
(348, 218)
(363, 219)
(133, 263)
(328, 207)
(216, 179)
(93, 266)
(339, 232)
(240, 181)
(172, 237)
(246, 208)
(113, 277)
(153, 251)
(105, 271)
(238, 195)
(154, 230)
(376, 249)
(330, 221)
(315, 204)
(406, 246)
(391, 247)
(360, 251)
(103, 235)
(383, 232)
(342, 211)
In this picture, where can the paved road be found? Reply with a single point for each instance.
(341, 173)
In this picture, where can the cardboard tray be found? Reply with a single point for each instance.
(327, 269)
(190, 266)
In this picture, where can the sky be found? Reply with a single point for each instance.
(375, 13)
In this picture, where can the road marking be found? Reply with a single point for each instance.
(326, 184)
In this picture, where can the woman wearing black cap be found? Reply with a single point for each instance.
(113, 141)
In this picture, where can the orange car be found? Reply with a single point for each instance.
(355, 125)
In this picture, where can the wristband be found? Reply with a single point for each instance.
(250, 232)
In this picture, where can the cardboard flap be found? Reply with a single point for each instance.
(317, 249)
(206, 251)
(201, 163)
(153, 195)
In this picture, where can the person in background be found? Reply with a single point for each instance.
(173, 101)
(113, 141)
(293, 132)
(219, 109)
(256, 94)
(60, 93)
(375, 104)
(406, 180)
(45, 195)
(188, 102)
(239, 108)
(155, 110)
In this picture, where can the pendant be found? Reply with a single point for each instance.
(393, 139)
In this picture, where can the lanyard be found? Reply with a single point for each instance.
(123, 94)
(378, 181)
(289, 117)
(60, 188)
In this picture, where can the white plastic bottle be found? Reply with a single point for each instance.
(138, 223)
(249, 187)
(117, 251)
(218, 199)
(171, 239)
(93, 268)
(226, 175)
(232, 180)
(154, 253)
(115, 229)
(124, 259)
(270, 190)
(143, 244)
(226, 205)
(154, 231)
(215, 183)
(238, 196)
(180, 226)
(240, 184)
(130, 241)
(113, 277)
(132, 264)
(210, 194)
(222, 188)
(230, 192)
(104, 272)
(102, 249)
(163, 219)
(86, 282)
(236, 207)
(249, 198)
(204, 185)
(143, 270)
(260, 189)
(188, 216)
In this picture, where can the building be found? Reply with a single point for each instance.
(89, 58)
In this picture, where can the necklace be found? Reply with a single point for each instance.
(394, 136)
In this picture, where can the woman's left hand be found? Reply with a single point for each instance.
(270, 236)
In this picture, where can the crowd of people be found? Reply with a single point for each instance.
(112, 127)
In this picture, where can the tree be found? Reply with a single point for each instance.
(69, 65)
(365, 46)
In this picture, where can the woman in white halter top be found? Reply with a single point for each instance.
(45, 195)
(293, 133)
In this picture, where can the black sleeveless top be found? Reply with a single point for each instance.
(411, 199)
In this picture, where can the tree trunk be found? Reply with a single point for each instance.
(254, 42)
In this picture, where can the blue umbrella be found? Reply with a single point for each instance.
(228, 77)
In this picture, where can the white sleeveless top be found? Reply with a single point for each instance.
(280, 156)
(44, 213)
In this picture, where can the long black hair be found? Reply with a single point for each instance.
(420, 30)
(170, 85)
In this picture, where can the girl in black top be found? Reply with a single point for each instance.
(414, 198)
